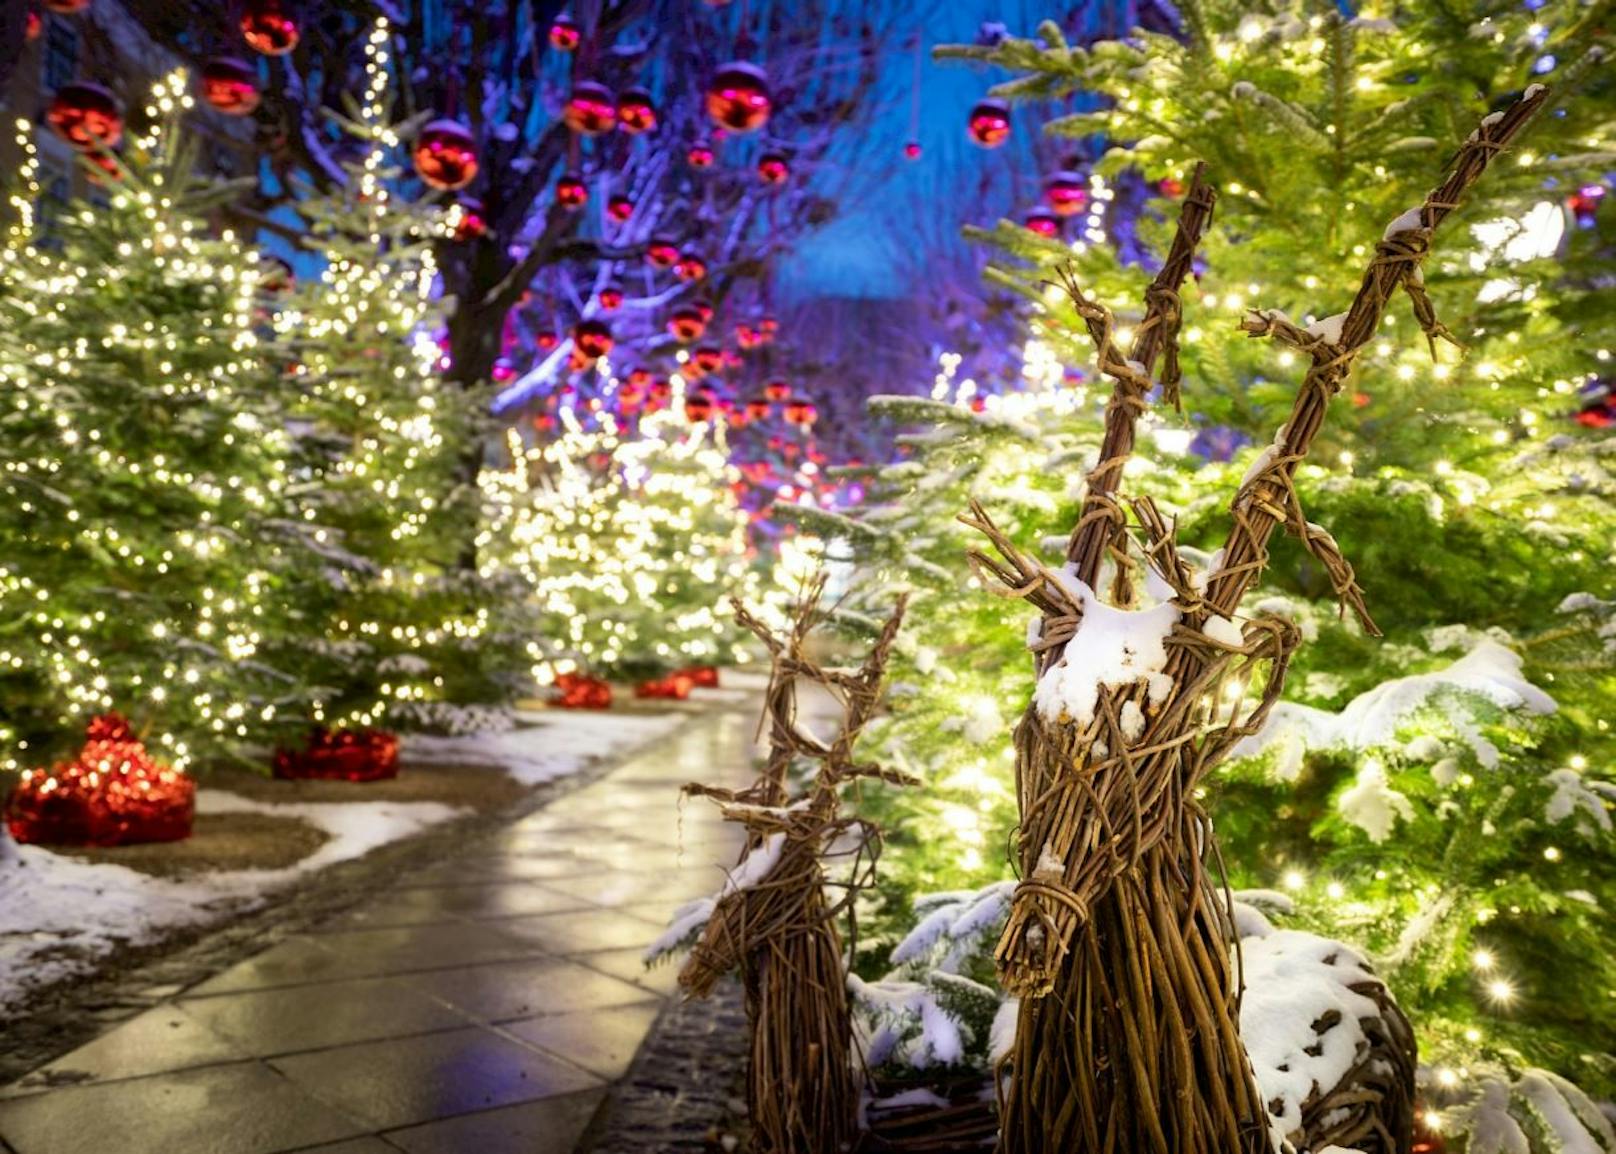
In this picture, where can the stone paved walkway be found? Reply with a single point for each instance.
(480, 1007)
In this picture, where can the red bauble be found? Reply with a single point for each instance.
(472, 224)
(911, 151)
(592, 338)
(773, 168)
(571, 192)
(340, 755)
(700, 155)
(1584, 204)
(777, 390)
(1043, 222)
(610, 298)
(702, 676)
(1066, 193)
(230, 85)
(547, 339)
(268, 29)
(989, 125)
(34, 25)
(590, 110)
(636, 113)
(639, 379)
(580, 692)
(67, 7)
(685, 323)
(661, 389)
(676, 686)
(113, 794)
(503, 371)
(86, 115)
(564, 34)
(705, 308)
(738, 98)
(1170, 187)
(445, 155)
(662, 252)
(620, 209)
(699, 405)
(768, 326)
(746, 336)
(690, 268)
(708, 358)
(800, 411)
(757, 409)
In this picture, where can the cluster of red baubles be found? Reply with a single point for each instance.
(114, 793)
(340, 755)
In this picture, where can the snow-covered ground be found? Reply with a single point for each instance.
(59, 916)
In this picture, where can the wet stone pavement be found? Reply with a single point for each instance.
(482, 1005)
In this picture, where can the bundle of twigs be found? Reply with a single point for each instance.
(779, 931)
(1116, 942)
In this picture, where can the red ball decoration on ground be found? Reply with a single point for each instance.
(592, 338)
(340, 755)
(708, 358)
(690, 268)
(445, 155)
(675, 686)
(114, 793)
(758, 409)
(268, 29)
(67, 7)
(989, 125)
(472, 223)
(611, 298)
(571, 192)
(1066, 193)
(547, 339)
(1043, 222)
(590, 110)
(636, 112)
(230, 85)
(800, 411)
(699, 406)
(700, 155)
(685, 324)
(86, 115)
(564, 34)
(662, 252)
(738, 97)
(620, 209)
(777, 390)
(773, 168)
(580, 692)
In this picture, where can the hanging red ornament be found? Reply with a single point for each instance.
(472, 224)
(340, 755)
(800, 411)
(758, 409)
(445, 155)
(911, 150)
(639, 379)
(705, 308)
(592, 338)
(547, 339)
(636, 112)
(738, 97)
(571, 192)
(86, 115)
(990, 123)
(114, 793)
(1066, 193)
(268, 29)
(700, 155)
(1043, 222)
(67, 7)
(768, 326)
(777, 390)
(746, 336)
(708, 358)
(503, 371)
(564, 34)
(230, 85)
(979, 403)
(690, 267)
(620, 209)
(699, 405)
(1584, 204)
(610, 298)
(1170, 187)
(661, 390)
(34, 25)
(685, 324)
(590, 109)
(772, 168)
(662, 252)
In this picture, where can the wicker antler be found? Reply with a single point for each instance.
(1127, 1038)
(780, 933)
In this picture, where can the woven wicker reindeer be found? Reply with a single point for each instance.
(1117, 942)
(774, 923)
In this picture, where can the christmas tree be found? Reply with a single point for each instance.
(382, 621)
(143, 460)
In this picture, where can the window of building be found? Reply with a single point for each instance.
(61, 54)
